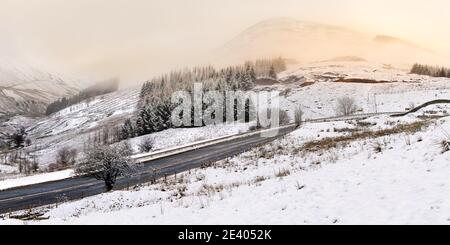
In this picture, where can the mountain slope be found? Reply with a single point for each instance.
(308, 41)
(25, 89)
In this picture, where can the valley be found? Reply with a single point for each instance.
(282, 169)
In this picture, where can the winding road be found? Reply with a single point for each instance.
(32, 196)
(27, 197)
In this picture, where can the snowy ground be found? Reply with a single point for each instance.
(315, 89)
(162, 140)
(35, 179)
(398, 178)
(72, 126)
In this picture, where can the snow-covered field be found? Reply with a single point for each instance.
(35, 179)
(74, 126)
(162, 140)
(323, 173)
(399, 178)
(315, 89)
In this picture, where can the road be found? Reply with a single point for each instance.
(37, 195)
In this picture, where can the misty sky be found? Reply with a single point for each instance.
(133, 38)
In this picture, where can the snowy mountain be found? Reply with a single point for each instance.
(25, 89)
(308, 41)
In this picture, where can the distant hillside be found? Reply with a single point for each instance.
(310, 42)
(25, 89)
(100, 88)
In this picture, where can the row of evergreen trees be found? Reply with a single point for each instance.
(101, 88)
(155, 106)
(428, 70)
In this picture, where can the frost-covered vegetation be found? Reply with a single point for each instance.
(101, 88)
(398, 175)
(155, 105)
(434, 71)
(107, 163)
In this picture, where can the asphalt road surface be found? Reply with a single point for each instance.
(79, 187)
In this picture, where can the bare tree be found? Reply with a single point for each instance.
(24, 164)
(284, 117)
(66, 157)
(346, 106)
(16, 139)
(298, 116)
(107, 163)
(35, 165)
(146, 145)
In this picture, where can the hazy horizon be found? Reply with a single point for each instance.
(139, 39)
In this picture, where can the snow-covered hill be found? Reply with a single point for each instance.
(309, 41)
(396, 174)
(376, 87)
(312, 87)
(25, 89)
(74, 126)
(71, 126)
(397, 177)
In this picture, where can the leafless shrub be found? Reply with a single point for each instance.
(346, 106)
(445, 143)
(53, 167)
(346, 130)
(147, 144)
(283, 173)
(284, 118)
(332, 157)
(66, 157)
(24, 166)
(207, 189)
(35, 165)
(259, 179)
(365, 124)
(266, 153)
(285, 92)
(298, 117)
(200, 177)
(181, 191)
(333, 142)
(377, 147)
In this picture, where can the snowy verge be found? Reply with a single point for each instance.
(400, 178)
(35, 179)
(191, 137)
